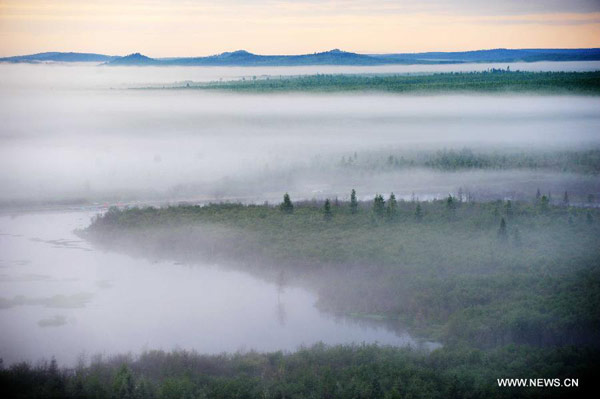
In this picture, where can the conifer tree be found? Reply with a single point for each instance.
(566, 199)
(327, 214)
(379, 205)
(287, 206)
(353, 202)
(392, 207)
(418, 212)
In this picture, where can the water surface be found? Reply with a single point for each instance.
(62, 297)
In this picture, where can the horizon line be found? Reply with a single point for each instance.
(295, 54)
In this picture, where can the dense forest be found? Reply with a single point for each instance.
(509, 288)
(583, 161)
(492, 81)
(352, 371)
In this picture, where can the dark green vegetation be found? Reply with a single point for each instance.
(447, 269)
(493, 81)
(583, 161)
(316, 372)
(510, 288)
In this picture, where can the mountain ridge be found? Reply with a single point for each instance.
(331, 57)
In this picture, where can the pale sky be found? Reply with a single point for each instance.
(162, 28)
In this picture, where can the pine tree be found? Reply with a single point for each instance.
(418, 213)
(353, 202)
(538, 195)
(379, 205)
(287, 206)
(392, 207)
(566, 199)
(327, 214)
(502, 234)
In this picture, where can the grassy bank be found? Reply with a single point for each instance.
(493, 81)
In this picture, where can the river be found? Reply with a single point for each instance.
(62, 297)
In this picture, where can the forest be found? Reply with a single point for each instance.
(574, 161)
(491, 81)
(319, 371)
(509, 288)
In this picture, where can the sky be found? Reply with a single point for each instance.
(163, 28)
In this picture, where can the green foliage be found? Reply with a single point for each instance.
(488, 81)
(574, 161)
(353, 202)
(319, 371)
(392, 207)
(287, 206)
(451, 279)
(379, 205)
(123, 384)
(327, 214)
(418, 213)
(526, 306)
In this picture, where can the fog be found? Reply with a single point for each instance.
(94, 76)
(86, 135)
(62, 297)
(66, 134)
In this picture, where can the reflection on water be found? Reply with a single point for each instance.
(57, 301)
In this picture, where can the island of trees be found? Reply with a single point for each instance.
(491, 81)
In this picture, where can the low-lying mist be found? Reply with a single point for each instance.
(86, 141)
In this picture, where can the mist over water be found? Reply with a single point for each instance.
(81, 132)
(66, 134)
(62, 297)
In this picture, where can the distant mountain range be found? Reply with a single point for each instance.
(332, 57)
(59, 57)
